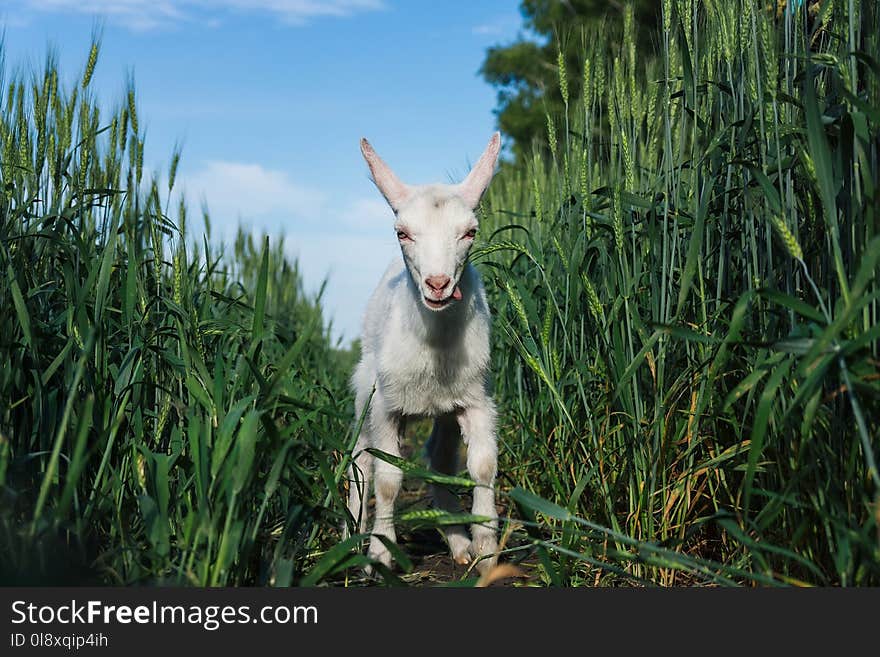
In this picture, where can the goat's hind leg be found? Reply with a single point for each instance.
(442, 450)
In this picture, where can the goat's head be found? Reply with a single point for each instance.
(435, 224)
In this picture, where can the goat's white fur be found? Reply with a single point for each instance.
(425, 349)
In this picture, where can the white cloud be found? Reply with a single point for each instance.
(349, 242)
(368, 214)
(353, 266)
(299, 11)
(498, 27)
(150, 14)
(251, 191)
(487, 29)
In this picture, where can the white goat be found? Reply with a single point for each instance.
(425, 348)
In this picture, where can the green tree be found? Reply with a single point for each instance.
(525, 71)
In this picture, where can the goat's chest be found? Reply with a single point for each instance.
(416, 380)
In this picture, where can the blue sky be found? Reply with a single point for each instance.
(270, 97)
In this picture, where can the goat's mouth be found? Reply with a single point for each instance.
(440, 304)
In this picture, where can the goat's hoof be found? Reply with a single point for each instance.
(484, 547)
(460, 548)
(378, 552)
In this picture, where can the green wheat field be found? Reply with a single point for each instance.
(686, 346)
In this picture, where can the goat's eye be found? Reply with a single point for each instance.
(470, 234)
(402, 235)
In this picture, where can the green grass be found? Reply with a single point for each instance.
(686, 301)
(683, 283)
(169, 412)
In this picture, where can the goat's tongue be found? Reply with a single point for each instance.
(456, 293)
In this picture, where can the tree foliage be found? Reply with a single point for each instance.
(526, 73)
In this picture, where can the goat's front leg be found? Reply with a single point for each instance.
(386, 432)
(478, 431)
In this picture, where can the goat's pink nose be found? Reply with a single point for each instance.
(437, 283)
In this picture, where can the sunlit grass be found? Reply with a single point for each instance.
(169, 412)
(686, 302)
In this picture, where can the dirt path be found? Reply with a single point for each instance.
(432, 563)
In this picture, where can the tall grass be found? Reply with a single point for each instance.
(684, 283)
(169, 412)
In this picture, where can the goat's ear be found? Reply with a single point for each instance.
(394, 191)
(471, 189)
